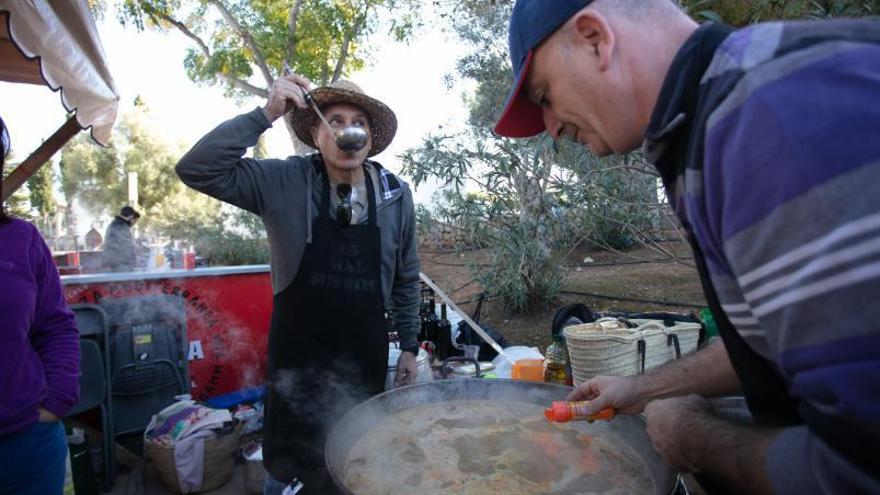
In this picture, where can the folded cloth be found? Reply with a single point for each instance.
(182, 419)
(189, 460)
(186, 425)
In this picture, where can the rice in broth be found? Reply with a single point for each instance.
(479, 447)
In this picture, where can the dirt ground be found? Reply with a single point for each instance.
(630, 281)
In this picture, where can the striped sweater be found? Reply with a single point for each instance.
(771, 158)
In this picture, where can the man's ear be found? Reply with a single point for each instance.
(591, 29)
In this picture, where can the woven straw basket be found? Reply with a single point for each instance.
(609, 346)
(219, 460)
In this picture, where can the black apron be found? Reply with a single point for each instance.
(328, 344)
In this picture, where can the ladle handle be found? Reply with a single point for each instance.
(445, 374)
(311, 101)
(307, 96)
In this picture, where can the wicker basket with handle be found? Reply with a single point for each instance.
(219, 459)
(624, 347)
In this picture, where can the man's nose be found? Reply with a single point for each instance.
(554, 127)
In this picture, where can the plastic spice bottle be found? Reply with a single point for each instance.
(563, 412)
(557, 368)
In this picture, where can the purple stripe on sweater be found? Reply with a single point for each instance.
(735, 46)
(841, 376)
(791, 135)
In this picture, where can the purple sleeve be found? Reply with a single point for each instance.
(54, 335)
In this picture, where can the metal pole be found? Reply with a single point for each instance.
(40, 156)
(464, 316)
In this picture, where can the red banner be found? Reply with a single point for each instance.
(227, 321)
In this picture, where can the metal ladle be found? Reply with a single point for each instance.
(350, 139)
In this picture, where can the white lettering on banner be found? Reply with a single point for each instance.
(195, 350)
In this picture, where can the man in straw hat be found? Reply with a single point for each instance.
(343, 253)
(766, 140)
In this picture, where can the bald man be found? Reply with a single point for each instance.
(766, 139)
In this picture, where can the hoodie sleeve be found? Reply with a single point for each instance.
(405, 292)
(215, 165)
(54, 335)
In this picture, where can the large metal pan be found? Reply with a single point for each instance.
(361, 419)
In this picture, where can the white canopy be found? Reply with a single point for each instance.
(55, 42)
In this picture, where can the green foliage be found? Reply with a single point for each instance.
(523, 271)
(326, 32)
(230, 237)
(242, 45)
(741, 13)
(18, 204)
(41, 194)
(538, 198)
(98, 177)
(609, 202)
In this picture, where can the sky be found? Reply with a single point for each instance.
(407, 77)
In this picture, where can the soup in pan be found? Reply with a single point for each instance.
(479, 447)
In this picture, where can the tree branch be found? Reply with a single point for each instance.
(346, 42)
(343, 54)
(203, 47)
(247, 38)
(186, 32)
(243, 85)
(292, 19)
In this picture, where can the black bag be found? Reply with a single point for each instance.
(566, 313)
(467, 336)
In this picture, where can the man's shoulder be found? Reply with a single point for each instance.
(390, 184)
(751, 47)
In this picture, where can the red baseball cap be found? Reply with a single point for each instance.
(531, 23)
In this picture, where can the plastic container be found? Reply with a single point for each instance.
(423, 367)
(563, 412)
(189, 260)
(531, 370)
(503, 366)
(81, 464)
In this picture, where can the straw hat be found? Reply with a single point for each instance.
(383, 122)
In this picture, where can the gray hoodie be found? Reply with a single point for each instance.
(286, 195)
(119, 252)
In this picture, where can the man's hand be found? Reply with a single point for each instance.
(667, 426)
(610, 391)
(286, 92)
(406, 369)
(47, 417)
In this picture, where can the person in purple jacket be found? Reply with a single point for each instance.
(39, 359)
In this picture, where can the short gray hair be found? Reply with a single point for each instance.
(638, 9)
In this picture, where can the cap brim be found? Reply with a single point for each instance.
(521, 118)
